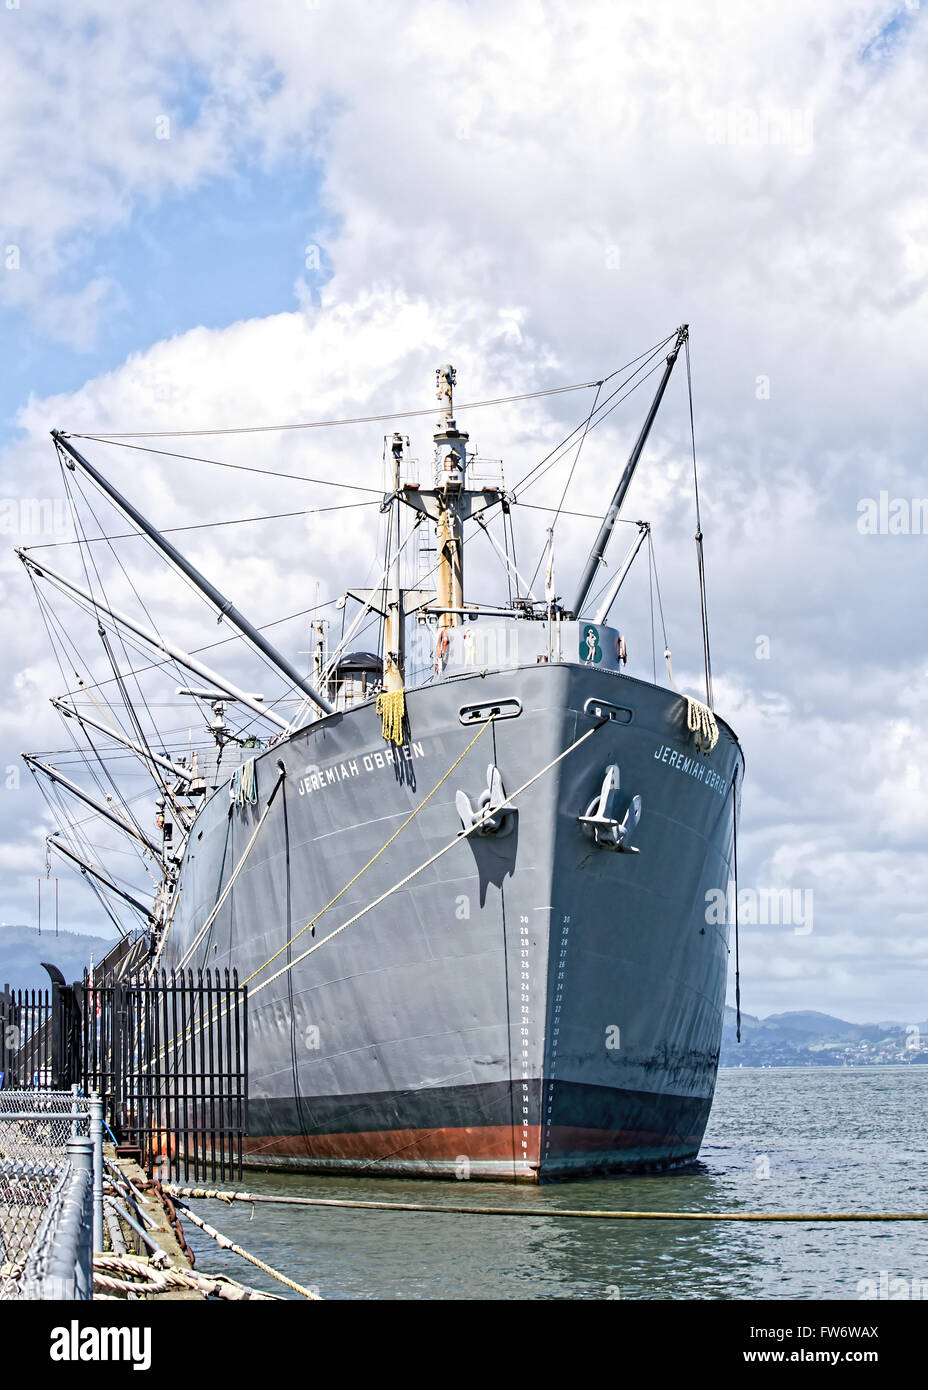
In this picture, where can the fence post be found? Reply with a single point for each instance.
(96, 1135)
(81, 1157)
(53, 1049)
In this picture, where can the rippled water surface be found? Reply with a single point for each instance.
(783, 1140)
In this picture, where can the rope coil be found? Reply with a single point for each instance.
(143, 1277)
(243, 787)
(702, 724)
(391, 706)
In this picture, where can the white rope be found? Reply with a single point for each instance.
(225, 1243)
(243, 785)
(701, 723)
(157, 1280)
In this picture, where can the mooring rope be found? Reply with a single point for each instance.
(457, 1210)
(702, 725)
(157, 1280)
(226, 1244)
(152, 1278)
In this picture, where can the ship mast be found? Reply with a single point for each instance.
(449, 503)
(450, 466)
(394, 638)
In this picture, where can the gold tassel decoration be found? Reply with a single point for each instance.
(391, 706)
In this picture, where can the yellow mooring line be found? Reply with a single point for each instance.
(452, 1209)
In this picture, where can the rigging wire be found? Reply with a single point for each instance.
(185, 578)
(527, 481)
(652, 352)
(208, 646)
(125, 804)
(586, 516)
(651, 602)
(205, 525)
(507, 516)
(734, 838)
(238, 467)
(62, 809)
(556, 460)
(570, 475)
(114, 880)
(657, 585)
(81, 753)
(112, 437)
(86, 554)
(75, 826)
(699, 550)
(237, 637)
(118, 439)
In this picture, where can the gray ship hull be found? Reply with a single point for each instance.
(528, 1007)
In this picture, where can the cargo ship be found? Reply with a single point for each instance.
(466, 881)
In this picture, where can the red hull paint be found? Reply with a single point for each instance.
(495, 1143)
(499, 1146)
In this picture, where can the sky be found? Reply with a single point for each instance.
(237, 215)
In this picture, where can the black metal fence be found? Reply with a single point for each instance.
(26, 1038)
(167, 1054)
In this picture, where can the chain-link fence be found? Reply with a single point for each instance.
(46, 1195)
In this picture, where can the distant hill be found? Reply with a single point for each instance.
(805, 1038)
(22, 951)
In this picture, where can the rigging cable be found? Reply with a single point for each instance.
(699, 550)
(651, 601)
(46, 612)
(570, 475)
(237, 467)
(197, 592)
(660, 605)
(107, 907)
(195, 651)
(79, 528)
(734, 837)
(206, 525)
(549, 458)
(113, 437)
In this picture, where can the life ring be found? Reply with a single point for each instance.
(441, 650)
